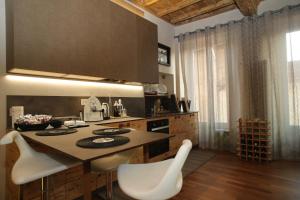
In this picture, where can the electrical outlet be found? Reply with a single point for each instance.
(83, 102)
(15, 112)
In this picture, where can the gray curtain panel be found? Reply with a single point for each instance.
(245, 69)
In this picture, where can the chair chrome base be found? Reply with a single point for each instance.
(106, 194)
(109, 186)
(44, 189)
(21, 192)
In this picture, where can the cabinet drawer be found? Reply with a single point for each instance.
(184, 126)
(138, 125)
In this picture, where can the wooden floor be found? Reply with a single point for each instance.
(226, 177)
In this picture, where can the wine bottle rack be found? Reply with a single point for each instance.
(255, 140)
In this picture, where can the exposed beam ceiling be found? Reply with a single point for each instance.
(209, 14)
(179, 5)
(184, 11)
(201, 11)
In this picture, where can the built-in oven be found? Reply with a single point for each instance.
(160, 147)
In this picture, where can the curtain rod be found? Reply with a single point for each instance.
(238, 21)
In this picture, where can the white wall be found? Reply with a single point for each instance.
(24, 87)
(264, 6)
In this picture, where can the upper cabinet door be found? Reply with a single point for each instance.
(147, 51)
(94, 38)
(64, 36)
(37, 35)
(123, 43)
(89, 37)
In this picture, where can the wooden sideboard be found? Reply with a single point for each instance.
(66, 185)
(183, 127)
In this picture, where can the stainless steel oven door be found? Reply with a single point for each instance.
(160, 147)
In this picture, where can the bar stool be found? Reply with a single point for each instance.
(108, 165)
(32, 165)
(154, 181)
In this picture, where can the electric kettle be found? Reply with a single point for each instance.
(106, 113)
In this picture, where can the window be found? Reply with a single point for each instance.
(293, 63)
(213, 90)
(293, 46)
(220, 84)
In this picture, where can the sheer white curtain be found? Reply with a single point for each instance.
(281, 49)
(248, 69)
(208, 63)
(273, 59)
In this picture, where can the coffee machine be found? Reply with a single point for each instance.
(93, 111)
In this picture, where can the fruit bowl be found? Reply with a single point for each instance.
(32, 122)
(31, 127)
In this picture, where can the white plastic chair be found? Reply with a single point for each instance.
(32, 165)
(154, 181)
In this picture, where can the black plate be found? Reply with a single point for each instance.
(111, 131)
(91, 143)
(55, 132)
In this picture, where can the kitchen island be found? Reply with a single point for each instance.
(68, 184)
(66, 144)
(76, 181)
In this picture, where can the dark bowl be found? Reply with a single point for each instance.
(56, 123)
(31, 127)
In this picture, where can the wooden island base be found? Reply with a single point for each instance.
(70, 184)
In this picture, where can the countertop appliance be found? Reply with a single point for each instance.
(106, 111)
(93, 111)
(160, 147)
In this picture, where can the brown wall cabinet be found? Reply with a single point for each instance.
(77, 37)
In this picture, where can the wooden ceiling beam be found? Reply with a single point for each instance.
(204, 10)
(249, 7)
(177, 6)
(184, 11)
(209, 14)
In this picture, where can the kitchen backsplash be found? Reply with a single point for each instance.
(59, 106)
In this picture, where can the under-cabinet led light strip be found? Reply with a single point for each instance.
(54, 81)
